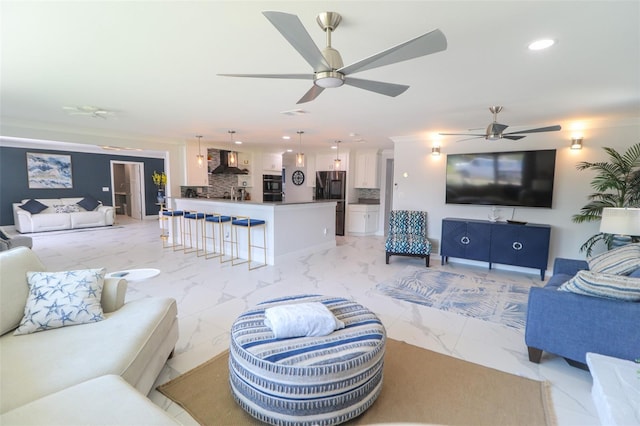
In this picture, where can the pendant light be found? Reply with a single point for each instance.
(337, 162)
(233, 156)
(300, 154)
(200, 157)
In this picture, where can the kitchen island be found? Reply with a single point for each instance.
(292, 229)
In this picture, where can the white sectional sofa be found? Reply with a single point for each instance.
(61, 213)
(86, 374)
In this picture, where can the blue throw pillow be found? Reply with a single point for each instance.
(33, 206)
(88, 203)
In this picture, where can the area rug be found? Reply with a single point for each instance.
(420, 386)
(474, 296)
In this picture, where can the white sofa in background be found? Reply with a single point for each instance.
(94, 373)
(50, 220)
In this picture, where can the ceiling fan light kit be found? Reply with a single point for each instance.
(328, 68)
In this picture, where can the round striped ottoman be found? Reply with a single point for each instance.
(307, 380)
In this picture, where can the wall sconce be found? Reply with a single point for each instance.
(435, 151)
(576, 143)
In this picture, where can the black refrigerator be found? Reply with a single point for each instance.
(332, 186)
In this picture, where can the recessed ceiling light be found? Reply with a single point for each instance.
(289, 150)
(541, 44)
(286, 137)
(238, 142)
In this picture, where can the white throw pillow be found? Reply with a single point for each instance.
(610, 286)
(301, 319)
(59, 299)
(621, 261)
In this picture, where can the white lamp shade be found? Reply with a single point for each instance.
(620, 221)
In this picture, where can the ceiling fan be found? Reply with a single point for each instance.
(91, 111)
(495, 130)
(328, 68)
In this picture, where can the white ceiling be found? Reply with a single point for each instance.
(155, 65)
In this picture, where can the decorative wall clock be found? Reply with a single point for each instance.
(298, 177)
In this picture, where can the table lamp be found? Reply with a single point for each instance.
(622, 223)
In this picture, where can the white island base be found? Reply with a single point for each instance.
(292, 229)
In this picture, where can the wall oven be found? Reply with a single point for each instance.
(271, 188)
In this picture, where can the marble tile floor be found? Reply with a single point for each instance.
(211, 295)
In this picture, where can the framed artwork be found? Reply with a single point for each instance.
(49, 170)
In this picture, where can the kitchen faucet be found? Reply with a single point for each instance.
(233, 193)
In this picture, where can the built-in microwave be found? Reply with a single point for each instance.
(271, 183)
(271, 188)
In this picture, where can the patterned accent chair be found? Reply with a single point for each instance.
(408, 235)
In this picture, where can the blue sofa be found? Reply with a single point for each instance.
(570, 325)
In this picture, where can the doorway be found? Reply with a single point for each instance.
(127, 184)
(388, 191)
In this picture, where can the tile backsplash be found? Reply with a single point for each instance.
(368, 193)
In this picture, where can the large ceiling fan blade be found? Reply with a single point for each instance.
(538, 130)
(311, 94)
(468, 139)
(286, 76)
(388, 89)
(513, 137)
(462, 134)
(426, 44)
(292, 29)
(496, 128)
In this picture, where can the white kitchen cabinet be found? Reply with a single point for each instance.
(310, 180)
(324, 162)
(272, 163)
(366, 173)
(244, 161)
(363, 219)
(196, 175)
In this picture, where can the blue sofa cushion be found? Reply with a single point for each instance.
(622, 260)
(33, 206)
(89, 203)
(610, 286)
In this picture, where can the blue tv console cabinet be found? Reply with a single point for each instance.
(496, 242)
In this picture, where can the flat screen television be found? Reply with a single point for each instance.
(517, 178)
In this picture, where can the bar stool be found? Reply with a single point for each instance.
(216, 220)
(173, 216)
(197, 219)
(249, 224)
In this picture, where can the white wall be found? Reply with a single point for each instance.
(296, 193)
(424, 186)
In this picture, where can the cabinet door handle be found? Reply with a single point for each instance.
(517, 245)
(465, 240)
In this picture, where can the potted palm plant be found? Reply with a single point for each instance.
(617, 184)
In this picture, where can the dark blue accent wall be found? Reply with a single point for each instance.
(90, 172)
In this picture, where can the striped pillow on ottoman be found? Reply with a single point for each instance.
(323, 380)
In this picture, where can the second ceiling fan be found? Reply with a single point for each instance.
(496, 130)
(328, 68)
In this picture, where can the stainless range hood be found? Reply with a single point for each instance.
(224, 169)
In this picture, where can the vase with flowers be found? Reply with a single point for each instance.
(160, 180)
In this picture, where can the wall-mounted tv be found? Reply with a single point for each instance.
(517, 178)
